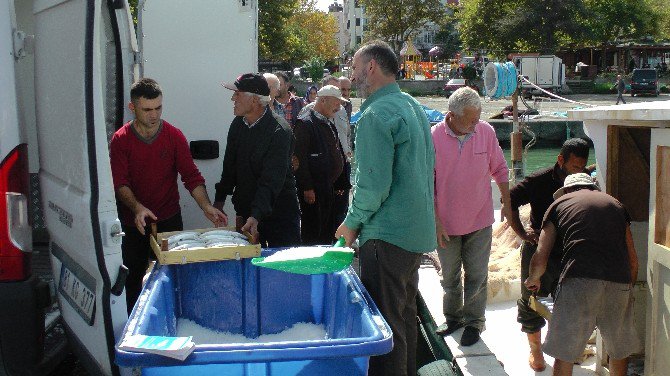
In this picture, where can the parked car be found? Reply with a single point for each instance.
(452, 85)
(644, 81)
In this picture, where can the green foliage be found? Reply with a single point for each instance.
(519, 25)
(294, 31)
(608, 20)
(469, 72)
(664, 89)
(603, 88)
(449, 39)
(315, 68)
(396, 21)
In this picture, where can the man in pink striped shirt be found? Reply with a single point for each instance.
(467, 156)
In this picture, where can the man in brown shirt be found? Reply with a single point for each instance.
(320, 166)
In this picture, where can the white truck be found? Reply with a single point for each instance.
(66, 67)
(545, 71)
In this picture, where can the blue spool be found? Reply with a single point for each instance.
(511, 78)
(500, 79)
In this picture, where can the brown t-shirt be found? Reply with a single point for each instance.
(591, 227)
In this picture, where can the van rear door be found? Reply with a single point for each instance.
(218, 43)
(82, 69)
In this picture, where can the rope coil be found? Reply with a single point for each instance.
(500, 79)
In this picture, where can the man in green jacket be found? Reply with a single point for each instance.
(392, 212)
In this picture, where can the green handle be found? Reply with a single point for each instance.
(341, 242)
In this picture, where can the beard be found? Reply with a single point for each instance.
(362, 85)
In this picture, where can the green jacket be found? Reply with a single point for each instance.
(394, 183)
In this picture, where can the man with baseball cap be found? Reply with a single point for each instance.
(257, 166)
(599, 266)
(320, 166)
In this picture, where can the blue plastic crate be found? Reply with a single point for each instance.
(237, 297)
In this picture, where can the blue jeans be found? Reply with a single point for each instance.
(466, 302)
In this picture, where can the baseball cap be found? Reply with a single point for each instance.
(250, 83)
(331, 91)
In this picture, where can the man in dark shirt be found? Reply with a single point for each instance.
(257, 166)
(537, 189)
(320, 166)
(598, 268)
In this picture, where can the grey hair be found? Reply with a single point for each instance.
(382, 53)
(263, 99)
(463, 98)
(274, 78)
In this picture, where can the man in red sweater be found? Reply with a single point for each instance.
(146, 155)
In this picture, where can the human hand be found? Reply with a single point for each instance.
(442, 236)
(218, 217)
(532, 284)
(531, 237)
(350, 235)
(310, 196)
(251, 226)
(141, 213)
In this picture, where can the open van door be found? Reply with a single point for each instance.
(218, 42)
(83, 66)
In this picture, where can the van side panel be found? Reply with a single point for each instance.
(190, 63)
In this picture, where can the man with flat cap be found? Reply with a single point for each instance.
(320, 170)
(257, 166)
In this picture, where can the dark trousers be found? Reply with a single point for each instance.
(620, 98)
(280, 233)
(136, 253)
(391, 276)
(316, 220)
(282, 228)
(530, 320)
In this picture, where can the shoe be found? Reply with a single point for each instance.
(448, 328)
(470, 336)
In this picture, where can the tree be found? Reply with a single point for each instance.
(273, 33)
(522, 25)
(396, 21)
(313, 34)
(662, 10)
(449, 38)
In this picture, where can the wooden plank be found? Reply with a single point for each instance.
(612, 179)
(662, 217)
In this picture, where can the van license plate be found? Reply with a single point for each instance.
(80, 297)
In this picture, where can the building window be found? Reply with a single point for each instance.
(348, 24)
(358, 21)
(356, 4)
(358, 40)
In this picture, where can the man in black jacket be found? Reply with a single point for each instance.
(320, 170)
(257, 166)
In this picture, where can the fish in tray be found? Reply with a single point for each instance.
(187, 244)
(222, 233)
(182, 236)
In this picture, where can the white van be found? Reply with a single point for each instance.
(66, 67)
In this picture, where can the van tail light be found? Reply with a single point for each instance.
(15, 229)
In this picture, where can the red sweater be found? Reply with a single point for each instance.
(149, 168)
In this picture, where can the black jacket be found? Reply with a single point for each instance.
(257, 167)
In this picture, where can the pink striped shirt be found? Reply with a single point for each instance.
(463, 172)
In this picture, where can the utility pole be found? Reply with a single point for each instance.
(516, 142)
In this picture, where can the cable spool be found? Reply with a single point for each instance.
(500, 79)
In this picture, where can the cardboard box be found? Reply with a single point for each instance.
(185, 256)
